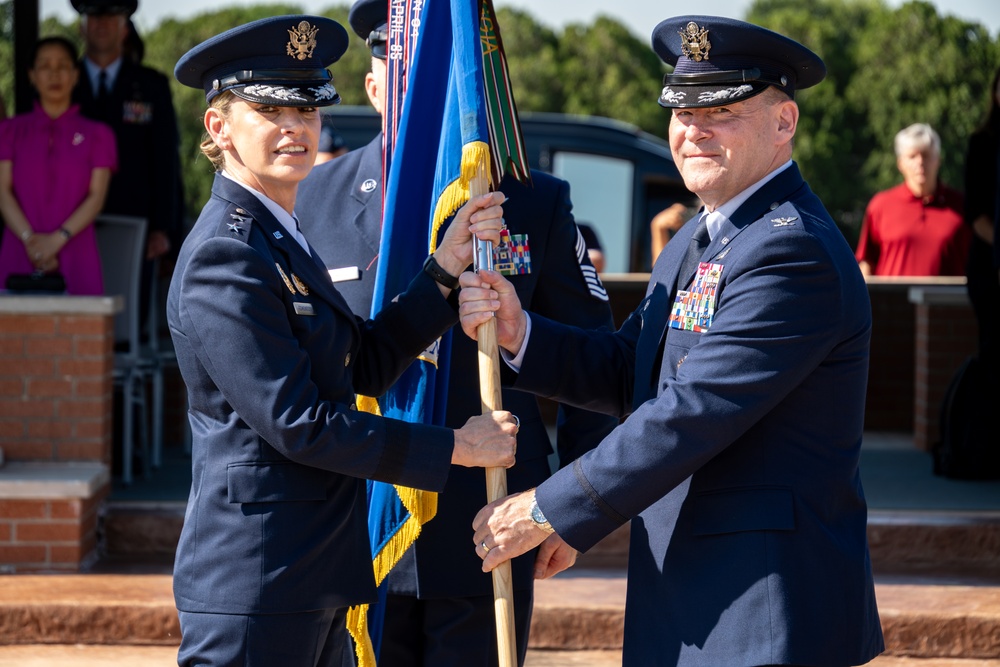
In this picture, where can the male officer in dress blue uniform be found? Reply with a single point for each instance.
(440, 606)
(136, 103)
(743, 380)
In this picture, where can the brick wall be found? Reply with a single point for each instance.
(889, 403)
(946, 334)
(49, 534)
(55, 386)
(56, 361)
(898, 400)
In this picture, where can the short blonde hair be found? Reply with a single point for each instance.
(223, 102)
(918, 135)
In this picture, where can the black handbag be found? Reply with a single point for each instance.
(37, 282)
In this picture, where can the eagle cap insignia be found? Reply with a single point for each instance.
(302, 40)
(694, 42)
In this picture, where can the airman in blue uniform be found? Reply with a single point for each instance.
(741, 377)
(274, 546)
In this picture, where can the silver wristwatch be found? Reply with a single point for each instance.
(539, 518)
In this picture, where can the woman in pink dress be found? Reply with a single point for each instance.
(54, 171)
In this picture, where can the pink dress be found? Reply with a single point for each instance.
(52, 163)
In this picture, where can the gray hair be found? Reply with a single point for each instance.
(918, 135)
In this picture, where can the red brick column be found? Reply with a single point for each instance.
(56, 360)
(48, 515)
(945, 335)
(55, 378)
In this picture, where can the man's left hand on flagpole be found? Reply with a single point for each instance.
(482, 216)
(505, 530)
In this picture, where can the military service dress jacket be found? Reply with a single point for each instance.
(272, 357)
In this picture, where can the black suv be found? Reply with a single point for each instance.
(620, 176)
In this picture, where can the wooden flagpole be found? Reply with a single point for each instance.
(496, 478)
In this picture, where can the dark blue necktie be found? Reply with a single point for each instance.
(102, 91)
(699, 241)
(649, 349)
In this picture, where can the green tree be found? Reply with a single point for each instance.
(606, 71)
(7, 55)
(887, 68)
(532, 52)
(915, 66)
(833, 138)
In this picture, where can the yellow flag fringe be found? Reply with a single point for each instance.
(421, 506)
(475, 164)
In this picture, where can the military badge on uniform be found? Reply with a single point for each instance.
(694, 42)
(302, 40)
(235, 227)
(369, 185)
(304, 309)
(284, 276)
(300, 286)
(512, 257)
(135, 112)
(693, 309)
(784, 222)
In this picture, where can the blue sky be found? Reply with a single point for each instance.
(639, 15)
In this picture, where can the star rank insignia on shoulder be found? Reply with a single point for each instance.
(239, 218)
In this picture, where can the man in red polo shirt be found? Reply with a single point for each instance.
(915, 228)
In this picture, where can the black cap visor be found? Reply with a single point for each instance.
(308, 88)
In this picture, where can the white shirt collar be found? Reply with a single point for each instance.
(286, 219)
(94, 72)
(719, 216)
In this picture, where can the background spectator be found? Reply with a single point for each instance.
(136, 102)
(915, 228)
(665, 224)
(54, 171)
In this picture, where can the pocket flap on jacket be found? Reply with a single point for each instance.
(275, 481)
(739, 510)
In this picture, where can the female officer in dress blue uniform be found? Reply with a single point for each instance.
(275, 546)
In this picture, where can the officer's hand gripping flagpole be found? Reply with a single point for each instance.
(496, 478)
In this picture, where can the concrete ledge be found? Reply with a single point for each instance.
(52, 480)
(939, 295)
(575, 611)
(21, 304)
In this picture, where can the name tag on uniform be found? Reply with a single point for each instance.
(345, 274)
(304, 308)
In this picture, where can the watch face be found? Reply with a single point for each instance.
(536, 514)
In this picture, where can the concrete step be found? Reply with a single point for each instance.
(923, 615)
(82, 655)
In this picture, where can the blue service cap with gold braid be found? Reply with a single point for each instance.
(369, 19)
(721, 60)
(280, 60)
